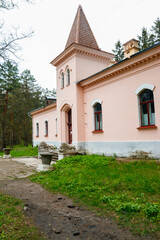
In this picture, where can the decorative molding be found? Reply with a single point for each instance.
(64, 104)
(96, 101)
(60, 72)
(43, 109)
(72, 51)
(144, 86)
(84, 84)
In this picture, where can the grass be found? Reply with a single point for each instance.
(14, 225)
(129, 192)
(19, 151)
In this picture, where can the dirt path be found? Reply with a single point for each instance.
(57, 216)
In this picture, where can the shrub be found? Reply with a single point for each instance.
(152, 210)
(129, 207)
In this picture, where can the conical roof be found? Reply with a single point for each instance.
(81, 32)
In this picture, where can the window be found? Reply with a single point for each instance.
(68, 76)
(147, 108)
(56, 126)
(46, 128)
(62, 80)
(37, 129)
(98, 117)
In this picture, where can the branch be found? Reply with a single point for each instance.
(9, 43)
(10, 4)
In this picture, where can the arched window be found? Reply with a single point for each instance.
(147, 108)
(62, 80)
(98, 117)
(56, 126)
(46, 128)
(68, 76)
(37, 129)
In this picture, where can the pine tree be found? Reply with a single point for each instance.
(118, 51)
(9, 80)
(156, 30)
(145, 40)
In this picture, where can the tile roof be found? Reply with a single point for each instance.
(81, 32)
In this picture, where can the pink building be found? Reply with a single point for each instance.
(102, 106)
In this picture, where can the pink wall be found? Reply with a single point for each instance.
(120, 106)
(50, 116)
(87, 65)
(81, 66)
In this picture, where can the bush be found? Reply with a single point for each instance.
(152, 210)
(129, 207)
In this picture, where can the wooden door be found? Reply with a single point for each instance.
(70, 126)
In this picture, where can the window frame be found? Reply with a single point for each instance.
(62, 80)
(56, 134)
(147, 106)
(37, 129)
(98, 115)
(138, 91)
(46, 128)
(68, 77)
(93, 104)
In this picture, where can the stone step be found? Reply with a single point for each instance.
(55, 157)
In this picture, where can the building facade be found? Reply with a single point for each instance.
(103, 106)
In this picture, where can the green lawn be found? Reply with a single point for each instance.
(129, 192)
(19, 151)
(14, 225)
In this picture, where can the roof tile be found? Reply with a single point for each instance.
(81, 32)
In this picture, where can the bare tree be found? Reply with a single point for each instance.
(10, 4)
(9, 41)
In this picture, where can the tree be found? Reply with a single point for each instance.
(9, 80)
(144, 39)
(6, 4)
(156, 30)
(118, 51)
(28, 97)
(9, 42)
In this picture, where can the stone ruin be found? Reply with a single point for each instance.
(44, 147)
(66, 148)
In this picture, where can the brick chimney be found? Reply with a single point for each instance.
(131, 47)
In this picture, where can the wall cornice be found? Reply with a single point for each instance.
(43, 109)
(76, 48)
(112, 72)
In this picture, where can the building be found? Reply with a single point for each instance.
(103, 106)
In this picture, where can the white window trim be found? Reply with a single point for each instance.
(143, 87)
(140, 89)
(68, 82)
(93, 103)
(45, 127)
(96, 101)
(56, 125)
(62, 73)
(37, 132)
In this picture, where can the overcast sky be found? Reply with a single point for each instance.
(51, 20)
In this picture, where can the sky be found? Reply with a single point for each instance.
(51, 21)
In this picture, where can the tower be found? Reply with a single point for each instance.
(81, 58)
